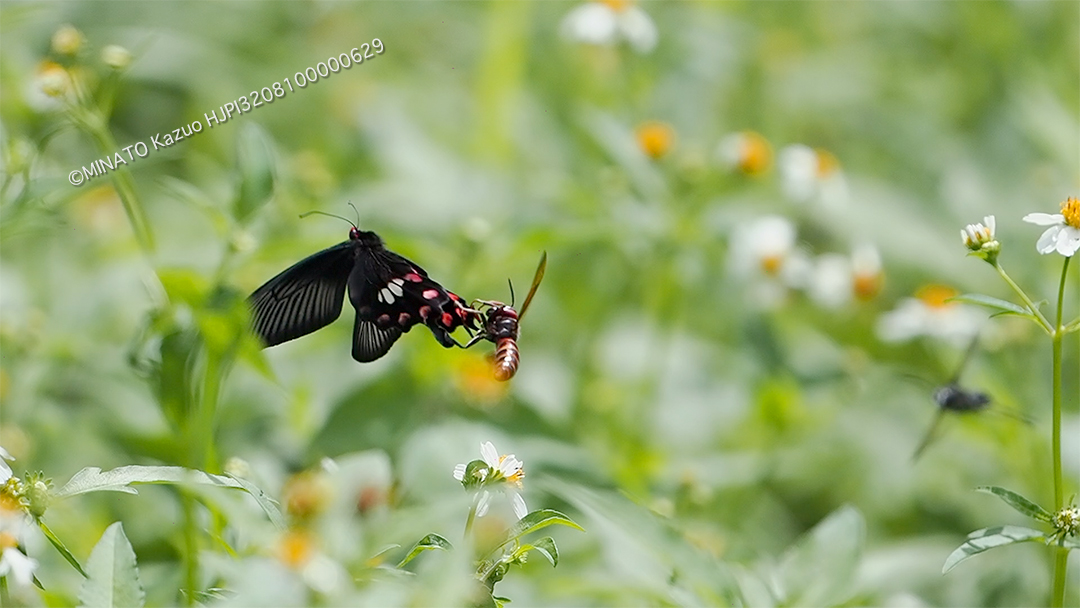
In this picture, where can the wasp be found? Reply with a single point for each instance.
(954, 398)
(500, 325)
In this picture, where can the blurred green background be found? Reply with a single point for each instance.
(695, 413)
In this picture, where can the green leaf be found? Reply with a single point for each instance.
(255, 159)
(1018, 502)
(989, 538)
(547, 546)
(820, 568)
(112, 574)
(534, 521)
(59, 546)
(267, 504)
(989, 302)
(429, 542)
(93, 479)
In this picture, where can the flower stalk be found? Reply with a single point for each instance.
(1061, 554)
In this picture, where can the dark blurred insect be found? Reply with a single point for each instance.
(951, 397)
(390, 295)
(500, 326)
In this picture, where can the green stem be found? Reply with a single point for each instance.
(94, 124)
(1061, 554)
(5, 600)
(1024, 297)
(472, 515)
(191, 548)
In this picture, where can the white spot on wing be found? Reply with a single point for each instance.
(395, 288)
(386, 295)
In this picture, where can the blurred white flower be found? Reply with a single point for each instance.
(746, 151)
(832, 282)
(13, 562)
(867, 272)
(5, 470)
(18, 566)
(506, 471)
(930, 314)
(762, 245)
(807, 174)
(1063, 234)
(606, 23)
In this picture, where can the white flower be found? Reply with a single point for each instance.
(605, 23)
(5, 470)
(506, 471)
(763, 245)
(866, 271)
(977, 235)
(1063, 234)
(807, 174)
(13, 562)
(745, 151)
(930, 313)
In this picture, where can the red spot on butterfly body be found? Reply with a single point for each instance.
(453, 296)
(424, 312)
(412, 277)
(447, 319)
(430, 294)
(383, 320)
(403, 318)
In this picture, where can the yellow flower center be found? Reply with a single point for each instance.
(771, 264)
(295, 548)
(867, 285)
(516, 476)
(8, 540)
(756, 154)
(655, 138)
(936, 296)
(1071, 210)
(827, 163)
(616, 5)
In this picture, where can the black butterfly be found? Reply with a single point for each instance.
(390, 295)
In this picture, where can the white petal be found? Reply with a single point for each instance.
(638, 29)
(485, 502)
(991, 223)
(519, 506)
(459, 472)
(4, 454)
(1068, 241)
(1048, 241)
(1044, 219)
(5, 472)
(489, 454)
(510, 465)
(18, 565)
(591, 23)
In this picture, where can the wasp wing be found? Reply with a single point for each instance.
(304, 297)
(539, 276)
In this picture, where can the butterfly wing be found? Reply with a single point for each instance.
(392, 294)
(304, 297)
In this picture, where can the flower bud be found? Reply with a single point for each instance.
(116, 56)
(67, 40)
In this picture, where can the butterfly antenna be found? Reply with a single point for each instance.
(511, 292)
(303, 215)
(356, 212)
(972, 347)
